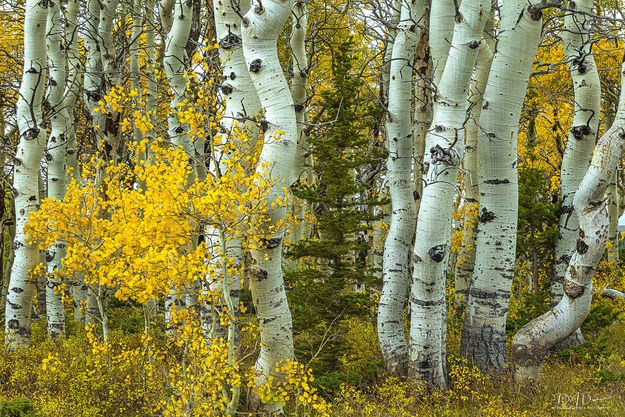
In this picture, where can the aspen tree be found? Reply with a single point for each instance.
(55, 156)
(432, 241)
(535, 339)
(466, 257)
(26, 172)
(262, 25)
(581, 139)
(399, 131)
(483, 333)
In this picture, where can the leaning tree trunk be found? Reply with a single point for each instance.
(395, 264)
(431, 251)
(261, 27)
(26, 173)
(484, 330)
(535, 339)
(56, 152)
(466, 257)
(581, 139)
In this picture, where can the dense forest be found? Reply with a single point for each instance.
(367, 208)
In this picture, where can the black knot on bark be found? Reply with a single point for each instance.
(31, 133)
(264, 125)
(229, 41)
(259, 9)
(474, 44)
(439, 154)
(13, 324)
(437, 253)
(227, 89)
(580, 131)
(573, 289)
(299, 107)
(272, 243)
(581, 246)
(179, 129)
(255, 65)
(486, 216)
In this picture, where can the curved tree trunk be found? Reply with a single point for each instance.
(581, 139)
(26, 172)
(466, 257)
(483, 333)
(396, 261)
(427, 359)
(535, 339)
(261, 27)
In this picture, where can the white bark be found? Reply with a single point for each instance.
(261, 28)
(56, 152)
(134, 51)
(423, 111)
(388, 50)
(395, 264)
(445, 144)
(442, 20)
(72, 90)
(176, 62)
(299, 62)
(483, 334)
(241, 104)
(94, 90)
(466, 257)
(26, 172)
(534, 340)
(581, 139)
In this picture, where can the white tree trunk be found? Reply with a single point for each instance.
(94, 90)
(241, 105)
(534, 340)
(445, 143)
(399, 131)
(176, 62)
(442, 20)
(581, 139)
(423, 111)
(483, 333)
(72, 90)
(26, 172)
(299, 62)
(56, 152)
(466, 257)
(388, 49)
(261, 28)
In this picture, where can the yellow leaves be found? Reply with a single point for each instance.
(291, 382)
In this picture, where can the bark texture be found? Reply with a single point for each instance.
(466, 257)
(534, 340)
(26, 172)
(483, 333)
(427, 357)
(398, 244)
(261, 27)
